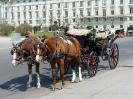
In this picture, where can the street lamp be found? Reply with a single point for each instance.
(112, 19)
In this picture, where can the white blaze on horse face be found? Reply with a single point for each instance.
(14, 61)
(37, 56)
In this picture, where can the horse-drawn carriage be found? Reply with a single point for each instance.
(94, 46)
(83, 48)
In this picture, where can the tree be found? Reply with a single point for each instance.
(5, 29)
(22, 28)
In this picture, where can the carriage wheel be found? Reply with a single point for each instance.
(66, 68)
(92, 64)
(113, 56)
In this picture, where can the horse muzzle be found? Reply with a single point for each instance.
(15, 63)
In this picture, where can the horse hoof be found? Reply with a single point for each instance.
(72, 81)
(80, 80)
(28, 85)
(53, 89)
(38, 86)
(62, 87)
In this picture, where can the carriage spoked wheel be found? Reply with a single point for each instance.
(113, 56)
(93, 61)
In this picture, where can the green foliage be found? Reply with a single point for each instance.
(36, 28)
(5, 29)
(89, 27)
(22, 28)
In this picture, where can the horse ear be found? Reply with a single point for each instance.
(43, 36)
(13, 44)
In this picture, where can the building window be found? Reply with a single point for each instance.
(104, 19)
(51, 13)
(24, 1)
(30, 7)
(81, 20)
(81, 3)
(81, 12)
(58, 5)
(121, 10)
(24, 7)
(12, 15)
(30, 21)
(130, 10)
(88, 12)
(73, 20)
(43, 7)
(130, 18)
(18, 14)
(121, 1)
(96, 19)
(29, 0)
(121, 26)
(104, 2)
(51, 6)
(131, 1)
(96, 2)
(73, 4)
(66, 5)
(17, 8)
(37, 15)
(66, 13)
(88, 3)
(89, 20)
(30, 15)
(17, 1)
(112, 2)
(104, 12)
(96, 11)
(121, 18)
(24, 15)
(96, 26)
(44, 14)
(74, 13)
(112, 11)
(36, 7)
(5, 15)
(112, 26)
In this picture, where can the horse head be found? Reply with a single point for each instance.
(40, 49)
(17, 53)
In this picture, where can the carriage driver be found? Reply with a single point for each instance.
(28, 32)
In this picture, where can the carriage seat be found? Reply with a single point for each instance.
(78, 32)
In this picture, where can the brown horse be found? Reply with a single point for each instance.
(57, 50)
(23, 52)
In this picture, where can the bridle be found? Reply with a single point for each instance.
(17, 49)
(38, 43)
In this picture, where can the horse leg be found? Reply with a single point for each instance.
(80, 74)
(53, 75)
(73, 73)
(61, 68)
(38, 77)
(30, 75)
(58, 72)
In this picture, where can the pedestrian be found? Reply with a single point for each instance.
(27, 34)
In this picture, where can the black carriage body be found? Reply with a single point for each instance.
(96, 44)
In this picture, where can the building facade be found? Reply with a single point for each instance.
(75, 13)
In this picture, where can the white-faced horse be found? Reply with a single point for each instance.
(24, 52)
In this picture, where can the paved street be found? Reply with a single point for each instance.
(112, 84)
